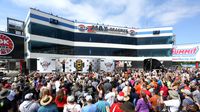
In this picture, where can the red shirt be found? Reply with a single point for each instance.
(60, 103)
(165, 90)
(116, 107)
(147, 92)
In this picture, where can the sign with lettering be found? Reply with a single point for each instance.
(122, 63)
(105, 29)
(11, 46)
(6, 45)
(186, 53)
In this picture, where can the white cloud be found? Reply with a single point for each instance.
(118, 12)
(172, 12)
(3, 25)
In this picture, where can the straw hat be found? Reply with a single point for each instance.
(126, 98)
(46, 100)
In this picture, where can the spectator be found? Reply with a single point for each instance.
(173, 103)
(116, 106)
(29, 105)
(60, 100)
(71, 105)
(5, 104)
(110, 97)
(89, 107)
(187, 99)
(47, 104)
(143, 105)
(102, 106)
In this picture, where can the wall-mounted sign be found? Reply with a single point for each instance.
(79, 64)
(188, 52)
(107, 65)
(11, 46)
(119, 64)
(45, 65)
(81, 27)
(105, 29)
(6, 45)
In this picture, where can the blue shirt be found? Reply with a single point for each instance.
(48, 108)
(89, 108)
(101, 106)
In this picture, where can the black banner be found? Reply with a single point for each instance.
(11, 46)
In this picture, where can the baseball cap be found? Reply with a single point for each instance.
(28, 96)
(88, 98)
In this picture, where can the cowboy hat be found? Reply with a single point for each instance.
(46, 100)
(4, 93)
(126, 98)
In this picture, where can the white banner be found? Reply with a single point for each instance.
(45, 65)
(187, 52)
(107, 65)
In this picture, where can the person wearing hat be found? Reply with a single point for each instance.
(115, 107)
(29, 105)
(174, 101)
(5, 103)
(89, 107)
(187, 99)
(71, 105)
(47, 104)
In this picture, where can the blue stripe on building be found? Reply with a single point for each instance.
(47, 20)
(74, 27)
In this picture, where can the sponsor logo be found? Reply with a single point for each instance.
(190, 51)
(45, 65)
(81, 27)
(132, 32)
(106, 29)
(79, 65)
(122, 63)
(108, 64)
(6, 45)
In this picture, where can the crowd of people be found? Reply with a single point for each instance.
(133, 91)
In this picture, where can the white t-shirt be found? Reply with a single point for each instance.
(72, 108)
(29, 106)
(110, 97)
(57, 85)
(173, 104)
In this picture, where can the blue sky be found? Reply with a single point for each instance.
(182, 15)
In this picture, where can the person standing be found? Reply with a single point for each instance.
(60, 100)
(173, 103)
(89, 107)
(29, 105)
(47, 104)
(71, 105)
(143, 105)
(5, 103)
